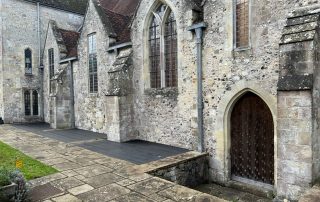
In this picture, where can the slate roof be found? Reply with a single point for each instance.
(116, 16)
(75, 6)
(124, 7)
(70, 39)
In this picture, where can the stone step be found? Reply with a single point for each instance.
(265, 192)
(236, 192)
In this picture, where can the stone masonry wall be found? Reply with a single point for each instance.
(298, 101)
(63, 103)
(169, 115)
(165, 115)
(229, 72)
(295, 139)
(20, 31)
(50, 43)
(1, 61)
(316, 112)
(191, 173)
(90, 113)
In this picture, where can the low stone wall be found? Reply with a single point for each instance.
(188, 172)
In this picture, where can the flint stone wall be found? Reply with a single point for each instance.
(90, 108)
(191, 172)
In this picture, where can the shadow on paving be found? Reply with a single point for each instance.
(230, 194)
(137, 151)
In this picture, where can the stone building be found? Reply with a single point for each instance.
(131, 69)
(23, 30)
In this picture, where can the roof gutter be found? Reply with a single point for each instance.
(68, 60)
(119, 46)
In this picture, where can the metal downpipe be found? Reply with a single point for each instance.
(72, 95)
(39, 61)
(198, 29)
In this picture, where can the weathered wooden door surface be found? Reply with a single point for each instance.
(252, 140)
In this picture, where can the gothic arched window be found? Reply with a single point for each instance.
(27, 103)
(163, 48)
(28, 61)
(35, 103)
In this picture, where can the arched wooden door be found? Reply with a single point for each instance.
(252, 140)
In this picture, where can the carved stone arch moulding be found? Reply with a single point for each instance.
(222, 135)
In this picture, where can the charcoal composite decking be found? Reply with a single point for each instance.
(137, 151)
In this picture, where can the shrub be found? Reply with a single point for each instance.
(21, 189)
(4, 177)
(8, 177)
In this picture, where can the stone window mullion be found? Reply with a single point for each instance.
(162, 57)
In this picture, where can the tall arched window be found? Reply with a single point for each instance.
(163, 48)
(27, 103)
(28, 61)
(35, 103)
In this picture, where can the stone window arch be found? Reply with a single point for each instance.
(162, 43)
(28, 61)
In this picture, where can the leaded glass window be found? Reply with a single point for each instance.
(27, 103)
(35, 103)
(93, 66)
(28, 61)
(163, 48)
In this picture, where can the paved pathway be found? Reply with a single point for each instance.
(89, 176)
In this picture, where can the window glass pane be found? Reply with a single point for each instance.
(35, 103)
(28, 61)
(93, 65)
(242, 23)
(27, 103)
(51, 62)
(161, 10)
(92, 44)
(170, 40)
(154, 50)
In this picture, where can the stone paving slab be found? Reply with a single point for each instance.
(150, 186)
(106, 193)
(103, 180)
(88, 176)
(132, 197)
(93, 170)
(81, 189)
(312, 195)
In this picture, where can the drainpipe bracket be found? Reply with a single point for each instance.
(201, 25)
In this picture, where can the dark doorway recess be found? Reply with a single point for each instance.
(252, 140)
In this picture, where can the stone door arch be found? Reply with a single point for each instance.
(252, 140)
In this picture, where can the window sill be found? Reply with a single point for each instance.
(242, 49)
(93, 95)
(31, 116)
(162, 92)
(30, 75)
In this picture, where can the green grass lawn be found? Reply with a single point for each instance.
(31, 168)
